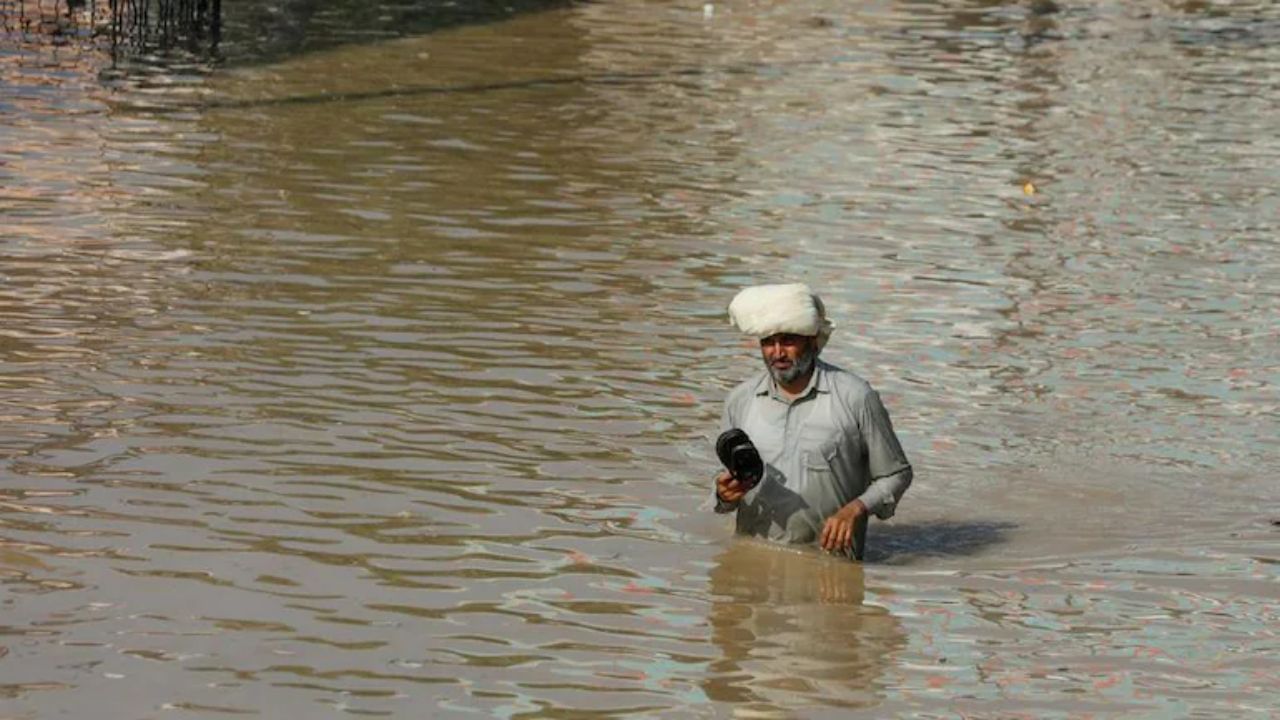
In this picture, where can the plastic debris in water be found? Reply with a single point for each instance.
(708, 10)
(1029, 188)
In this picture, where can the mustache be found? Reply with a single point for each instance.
(798, 367)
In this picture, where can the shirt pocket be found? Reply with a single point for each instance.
(824, 491)
(823, 458)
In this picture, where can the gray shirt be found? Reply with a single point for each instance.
(831, 444)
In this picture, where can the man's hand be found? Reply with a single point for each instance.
(837, 531)
(727, 488)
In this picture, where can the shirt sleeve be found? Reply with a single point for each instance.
(887, 464)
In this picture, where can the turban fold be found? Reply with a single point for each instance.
(766, 310)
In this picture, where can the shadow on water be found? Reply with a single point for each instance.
(611, 78)
(258, 31)
(903, 543)
(261, 31)
(147, 36)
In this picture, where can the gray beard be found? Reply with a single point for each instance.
(798, 369)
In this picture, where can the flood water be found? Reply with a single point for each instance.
(381, 379)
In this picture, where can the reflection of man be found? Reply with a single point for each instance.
(793, 633)
(831, 456)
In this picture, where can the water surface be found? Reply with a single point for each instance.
(381, 379)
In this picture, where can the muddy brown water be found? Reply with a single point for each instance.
(381, 380)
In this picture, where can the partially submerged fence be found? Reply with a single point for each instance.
(126, 26)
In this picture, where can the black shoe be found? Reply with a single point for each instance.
(740, 457)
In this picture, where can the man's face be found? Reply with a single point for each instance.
(789, 357)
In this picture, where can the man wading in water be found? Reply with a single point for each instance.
(829, 451)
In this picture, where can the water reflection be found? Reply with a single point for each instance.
(794, 633)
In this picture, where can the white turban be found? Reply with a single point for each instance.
(766, 310)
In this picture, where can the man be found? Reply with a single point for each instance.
(830, 453)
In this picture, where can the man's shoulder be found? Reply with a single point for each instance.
(845, 384)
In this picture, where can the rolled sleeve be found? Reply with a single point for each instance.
(881, 496)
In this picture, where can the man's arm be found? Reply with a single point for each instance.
(841, 528)
(890, 471)
(882, 495)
